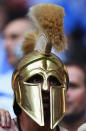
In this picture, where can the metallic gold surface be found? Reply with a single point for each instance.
(29, 95)
(32, 104)
(57, 100)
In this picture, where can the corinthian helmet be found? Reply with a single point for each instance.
(40, 79)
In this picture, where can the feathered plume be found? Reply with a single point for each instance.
(29, 42)
(27, 45)
(49, 20)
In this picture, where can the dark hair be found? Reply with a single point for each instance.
(82, 66)
(17, 109)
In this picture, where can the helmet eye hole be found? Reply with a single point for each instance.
(53, 81)
(35, 79)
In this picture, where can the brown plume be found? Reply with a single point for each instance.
(29, 42)
(49, 20)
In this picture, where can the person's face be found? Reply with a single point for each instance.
(51, 81)
(13, 35)
(76, 94)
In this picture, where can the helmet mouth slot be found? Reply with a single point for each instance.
(46, 105)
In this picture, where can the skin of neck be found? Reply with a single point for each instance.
(27, 123)
(73, 122)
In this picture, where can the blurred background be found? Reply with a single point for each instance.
(74, 28)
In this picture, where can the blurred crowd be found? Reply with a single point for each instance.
(74, 25)
(13, 25)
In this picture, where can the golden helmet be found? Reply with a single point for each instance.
(40, 79)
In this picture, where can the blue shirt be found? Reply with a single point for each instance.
(6, 93)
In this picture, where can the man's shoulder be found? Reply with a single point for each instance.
(82, 127)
